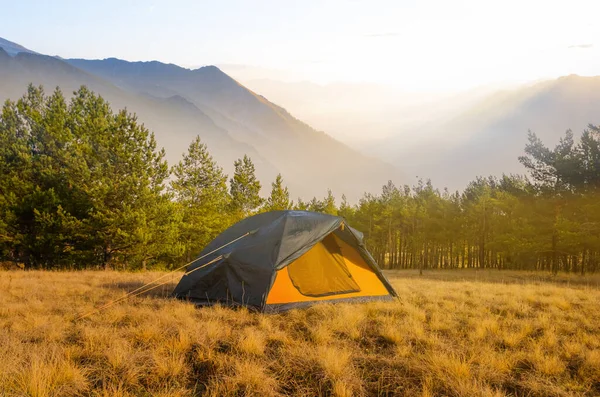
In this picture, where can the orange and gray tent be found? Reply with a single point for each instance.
(287, 259)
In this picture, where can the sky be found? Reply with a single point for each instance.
(413, 45)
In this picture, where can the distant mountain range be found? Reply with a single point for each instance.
(448, 138)
(487, 137)
(360, 113)
(179, 104)
(13, 48)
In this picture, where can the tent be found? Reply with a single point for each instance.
(281, 260)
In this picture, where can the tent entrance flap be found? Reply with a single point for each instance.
(321, 271)
(283, 290)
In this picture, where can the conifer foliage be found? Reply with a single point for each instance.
(549, 222)
(82, 185)
(279, 198)
(200, 189)
(245, 189)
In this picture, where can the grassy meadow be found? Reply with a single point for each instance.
(454, 333)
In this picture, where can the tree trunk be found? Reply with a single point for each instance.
(106, 258)
(482, 252)
(554, 252)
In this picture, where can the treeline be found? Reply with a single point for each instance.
(82, 186)
(495, 223)
(551, 222)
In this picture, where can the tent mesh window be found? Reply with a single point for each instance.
(322, 271)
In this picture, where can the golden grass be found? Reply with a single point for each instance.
(461, 333)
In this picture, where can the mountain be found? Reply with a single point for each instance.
(178, 104)
(174, 120)
(488, 137)
(309, 160)
(13, 48)
(450, 139)
(353, 113)
(357, 113)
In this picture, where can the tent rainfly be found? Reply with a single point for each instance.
(289, 259)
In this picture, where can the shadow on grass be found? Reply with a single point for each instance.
(150, 291)
(499, 276)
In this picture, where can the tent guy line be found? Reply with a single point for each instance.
(112, 303)
(140, 290)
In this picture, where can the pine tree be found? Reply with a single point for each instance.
(157, 235)
(200, 188)
(558, 169)
(329, 204)
(280, 197)
(15, 179)
(159, 239)
(589, 155)
(346, 211)
(315, 205)
(301, 205)
(82, 181)
(35, 189)
(245, 189)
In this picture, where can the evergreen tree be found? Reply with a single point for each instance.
(159, 240)
(200, 188)
(301, 205)
(315, 205)
(80, 180)
(15, 180)
(558, 169)
(245, 189)
(157, 235)
(589, 155)
(36, 193)
(280, 197)
(326, 206)
(346, 211)
(127, 181)
(329, 204)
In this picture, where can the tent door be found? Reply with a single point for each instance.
(322, 271)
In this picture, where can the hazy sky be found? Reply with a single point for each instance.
(416, 45)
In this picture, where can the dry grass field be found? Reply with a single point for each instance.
(461, 333)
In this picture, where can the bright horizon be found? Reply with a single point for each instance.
(413, 46)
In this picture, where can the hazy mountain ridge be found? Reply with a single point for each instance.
(206, 86)
(175, 122)
(359, 113)
(306, 157)
(178, 104)
(13, 48)
(487, 138)
(450, 139)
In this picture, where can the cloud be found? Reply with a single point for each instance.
(584, 46)
(383, 34)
